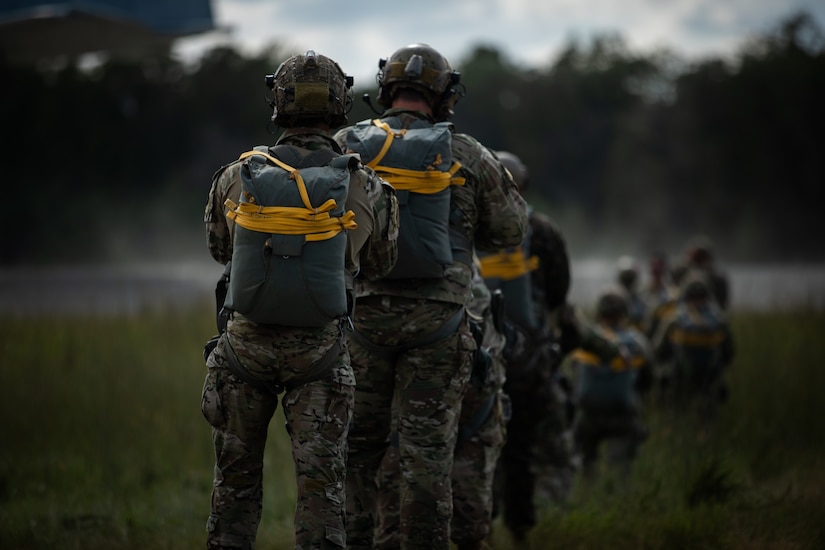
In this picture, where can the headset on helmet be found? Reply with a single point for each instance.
(309, 86)
(516, 167)
(420, 67)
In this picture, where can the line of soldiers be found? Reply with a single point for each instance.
(389, 285)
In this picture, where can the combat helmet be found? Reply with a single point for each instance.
(627, 272)
(612, 304)
(420, 67)
(309, 86)
(695, 287)
(516, 167)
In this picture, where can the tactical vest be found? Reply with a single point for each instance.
(509, 270)
(696, 336)
(608, 387)
(417, 161)
(290, 237)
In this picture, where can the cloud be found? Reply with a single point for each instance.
(529, 32)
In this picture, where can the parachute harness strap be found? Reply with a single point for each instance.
(425, 182)
(315, 223)
(508, 265)
(617, 364)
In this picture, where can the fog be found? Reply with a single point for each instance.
(131, 288)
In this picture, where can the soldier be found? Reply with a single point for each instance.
(696, 339)
(627, 275)
(701, 257)
(659, 293)
(535, 279)
(412, 346)
(485, 411)
(608, 393)
(276, 341)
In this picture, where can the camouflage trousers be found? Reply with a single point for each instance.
(553, 464)
(418, 393)
(317, 415)
(620, 432)
(534, 434)
(482, 431)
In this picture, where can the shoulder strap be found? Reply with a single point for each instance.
(295, 157)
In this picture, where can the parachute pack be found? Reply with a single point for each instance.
(417, 161)
(509, 270)
(608, 387)
(290, 236)
(697, 336)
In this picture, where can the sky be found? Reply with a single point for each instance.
(529, 33)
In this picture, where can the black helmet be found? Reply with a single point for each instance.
(309, 86)
(696, 286)
(516, 167)
(421, 68)
(612, 304)
(627, 272)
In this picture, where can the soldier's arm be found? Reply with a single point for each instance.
(373, 246)
(501, 210)
(219, 229)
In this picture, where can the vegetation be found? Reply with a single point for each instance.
(627, 150)
(104, 446)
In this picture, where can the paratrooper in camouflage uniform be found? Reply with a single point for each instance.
(536, 456)
(696, 340)
(608, 393)
(310, 364)
(485, 411)
(412, 346)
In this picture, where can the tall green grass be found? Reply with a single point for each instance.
(104, 447)
(753, 478)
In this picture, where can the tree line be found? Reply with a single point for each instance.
(628, 151)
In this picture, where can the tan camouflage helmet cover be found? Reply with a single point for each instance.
(310, 87)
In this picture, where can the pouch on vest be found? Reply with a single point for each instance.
(290, 238)
(417, 161)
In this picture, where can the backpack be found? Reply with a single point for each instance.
(509, 270)
(611, 387)
(417, 161)
(697, 335)
(290, 237)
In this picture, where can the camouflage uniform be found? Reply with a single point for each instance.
(660, 294)
(700, 258)
(627, 276)
(611, 413)
(697, 339)
(317, 405)
(537, 450)
(481, 435)
(423, 385)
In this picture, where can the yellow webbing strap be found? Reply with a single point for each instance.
(425, 182)
(617, 364)
(690, 338)
(508, 265)
(315, 223)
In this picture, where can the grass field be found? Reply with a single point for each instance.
(104, 446)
